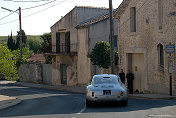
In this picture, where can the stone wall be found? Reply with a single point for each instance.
(71, 72)
(31, 72)
(146, 39)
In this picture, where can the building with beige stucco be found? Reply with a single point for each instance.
(71, 66)
(145, 27)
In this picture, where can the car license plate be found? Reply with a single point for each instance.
(106, 92)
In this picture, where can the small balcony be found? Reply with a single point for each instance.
(66, 49)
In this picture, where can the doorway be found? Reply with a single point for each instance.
(63, 70)
(136, 65)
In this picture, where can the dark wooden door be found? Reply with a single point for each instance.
(63, 70)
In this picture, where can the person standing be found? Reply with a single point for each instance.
(122, 76)
(130, 78)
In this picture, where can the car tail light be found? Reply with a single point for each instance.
(93, 94)
(121, 93)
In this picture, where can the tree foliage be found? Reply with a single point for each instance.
(100, 55)
(25, 53)
(24, 39)
(7, 62)
(46, 44)
(11, 43)
(34, 44)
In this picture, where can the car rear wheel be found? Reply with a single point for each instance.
(89, 103)
(124, 103)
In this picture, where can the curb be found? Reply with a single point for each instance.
(65, 89)
(10, 104)
(72, 90)
(152, 98)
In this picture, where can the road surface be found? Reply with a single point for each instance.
(43, 103)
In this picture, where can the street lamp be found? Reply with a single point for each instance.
(19, 27)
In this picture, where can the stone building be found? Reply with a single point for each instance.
(94, 30)
(145, 27)
(70, 63)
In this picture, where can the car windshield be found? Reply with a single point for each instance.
(105, 80)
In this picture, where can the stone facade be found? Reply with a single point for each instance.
(93, 31)
(138, 51)
(71, 67)
(31, 72)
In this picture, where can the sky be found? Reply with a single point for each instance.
(39, 15)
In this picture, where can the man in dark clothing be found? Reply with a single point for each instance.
(122, 76)
(130, 77)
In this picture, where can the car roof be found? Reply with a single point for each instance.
(105, 75)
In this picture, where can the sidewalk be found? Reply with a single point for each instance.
(74, 89)
(79, 89)
(152, 96)
(6, 101)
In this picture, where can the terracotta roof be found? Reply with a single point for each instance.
(37, 57)
(104, 16)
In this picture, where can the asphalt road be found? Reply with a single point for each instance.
(42, 103)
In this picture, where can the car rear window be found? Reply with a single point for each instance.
(105, 80)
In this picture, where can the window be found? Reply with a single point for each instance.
(133, 19)
(160, 14)
(160, 57)
(115, 41)
(63, 42)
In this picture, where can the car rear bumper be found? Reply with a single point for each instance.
(103, 98)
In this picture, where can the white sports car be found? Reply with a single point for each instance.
(106, 88)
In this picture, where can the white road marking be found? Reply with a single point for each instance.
(82, 110)
(159, 116)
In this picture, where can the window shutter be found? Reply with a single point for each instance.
(57, 42)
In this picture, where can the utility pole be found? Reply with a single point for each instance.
(111, 37)
(19, 27)
(20, 32)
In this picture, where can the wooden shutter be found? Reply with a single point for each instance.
(57, 42)
(67, 41)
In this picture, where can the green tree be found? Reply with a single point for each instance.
(100, 54)
(11, 42)
(46, 46)
(25, 53)
(7, 63)
(34, 44)
(24, 39)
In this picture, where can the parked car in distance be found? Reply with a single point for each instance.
(106, 88)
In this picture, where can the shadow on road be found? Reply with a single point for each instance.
(50, 102)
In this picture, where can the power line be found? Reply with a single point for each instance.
(8, 22)
(34, 13)
(26, 1)
(7, 15)
(44, 9)
(39, 5)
